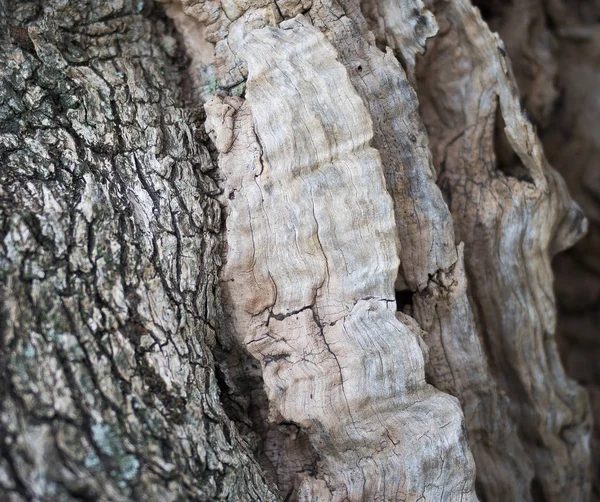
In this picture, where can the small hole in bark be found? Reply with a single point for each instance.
(537, 493)
(507, 161)
(403, 299)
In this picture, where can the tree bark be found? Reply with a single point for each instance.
(109, 262)
(259, 250)
(554, 50)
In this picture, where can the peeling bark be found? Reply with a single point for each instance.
(556, 60)
(457, 338)
(513, 213)
(310, 299)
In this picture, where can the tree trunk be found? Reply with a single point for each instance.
(109, 262)
(260, 250)
(555, 49)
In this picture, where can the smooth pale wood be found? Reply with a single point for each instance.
(309, 276)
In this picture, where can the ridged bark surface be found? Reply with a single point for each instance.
(108, 264)
(296, 250)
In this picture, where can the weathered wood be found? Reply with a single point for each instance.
(554, 48)
(309, 278)
(383, 263)
(513, 212)
(431, 270)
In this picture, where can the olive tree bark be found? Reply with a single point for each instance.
(109, 260)
(278, 250)
(555, 50)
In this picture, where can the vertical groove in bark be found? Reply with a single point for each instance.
(512, 212)
(109, 230)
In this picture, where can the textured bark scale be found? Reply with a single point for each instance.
(513, 212)
(109, 231)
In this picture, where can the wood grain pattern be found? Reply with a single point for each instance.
(309, 280)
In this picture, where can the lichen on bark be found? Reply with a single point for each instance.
(108, 262)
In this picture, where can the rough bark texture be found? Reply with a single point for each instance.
(314, 300)
(513, 213)
(554, 47)
(506, 400)
(108, 265)
(378, 221)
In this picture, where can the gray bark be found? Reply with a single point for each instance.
(108, 387)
